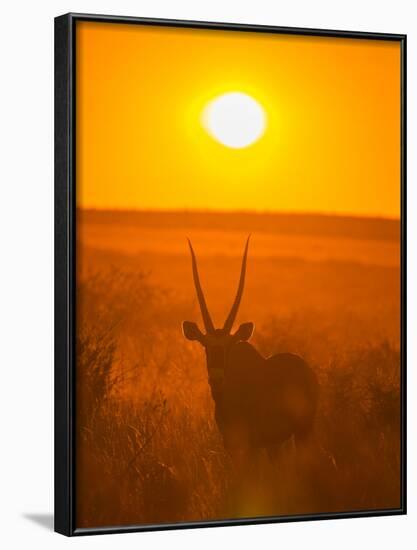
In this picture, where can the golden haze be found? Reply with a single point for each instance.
(332, 142)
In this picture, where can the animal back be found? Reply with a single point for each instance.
(272, 397)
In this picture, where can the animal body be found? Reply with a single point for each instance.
(259, 402)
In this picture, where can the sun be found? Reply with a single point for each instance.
(234, 119)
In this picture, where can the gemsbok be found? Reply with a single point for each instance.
(259, 402)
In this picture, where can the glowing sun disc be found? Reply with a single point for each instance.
(234, 119)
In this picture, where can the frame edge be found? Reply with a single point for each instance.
(403, 275)
(64, 272)
(63, 494)
(229, 26)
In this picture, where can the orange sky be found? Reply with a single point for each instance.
(332, 142)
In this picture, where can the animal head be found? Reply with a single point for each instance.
(217, 341)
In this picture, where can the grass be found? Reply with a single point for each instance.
(148, 448)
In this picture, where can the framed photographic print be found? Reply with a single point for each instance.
(230, 274)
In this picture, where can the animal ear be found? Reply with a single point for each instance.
(191, 331)
(244, 332)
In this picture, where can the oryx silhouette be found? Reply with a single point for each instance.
(259, 402)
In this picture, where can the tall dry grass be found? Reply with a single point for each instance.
(148, 448)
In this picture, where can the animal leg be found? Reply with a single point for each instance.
(303, 438)
(304, 449)
(274, 453)
(317, 470)
(245, 482)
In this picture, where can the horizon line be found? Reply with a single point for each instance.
(318, 213)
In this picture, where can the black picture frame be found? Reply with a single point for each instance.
(65, 258)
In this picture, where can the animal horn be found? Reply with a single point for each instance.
(233, 312)
(208, 323)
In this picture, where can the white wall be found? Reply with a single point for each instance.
(26, 272)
